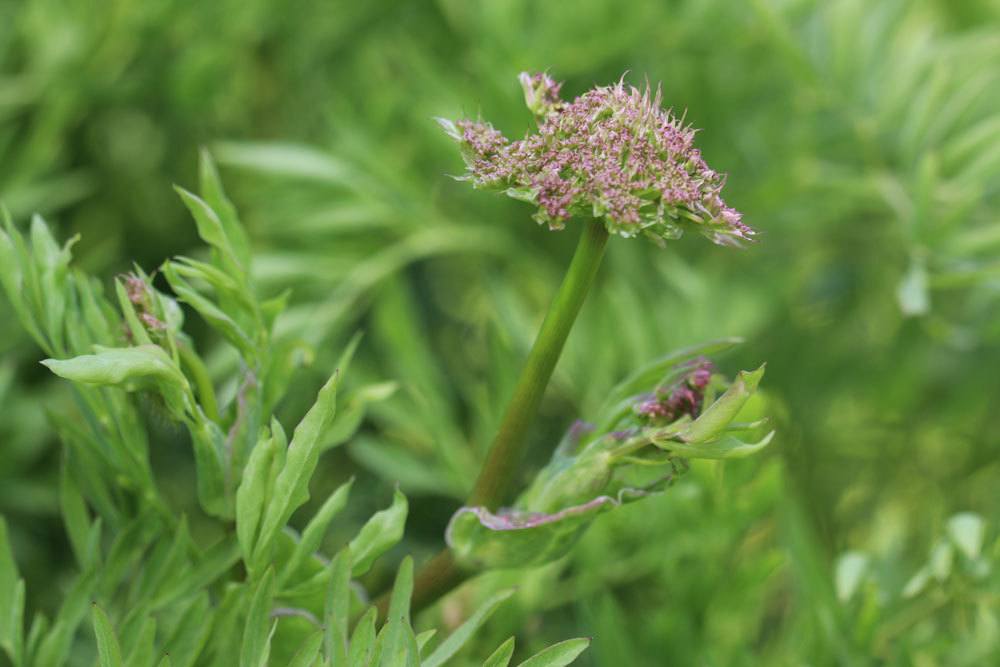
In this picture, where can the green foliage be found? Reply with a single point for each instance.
(248, 586)
(860, 137)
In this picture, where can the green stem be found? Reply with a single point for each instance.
(497, 474)
(441, 574)
(199, 373)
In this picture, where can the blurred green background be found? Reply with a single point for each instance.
(862, 139)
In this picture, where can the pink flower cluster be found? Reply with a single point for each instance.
(683, 398)
(612, 153)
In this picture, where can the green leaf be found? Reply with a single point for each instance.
(74, 513)
(213, 232)
(165, 662)
(394, 643)
(726, 447)
(252, 492)
(291, 489)
(11, 600)
(382, 531)
(143, 649)
(214, 195)
(558, 655)
(966, 531)
(851, 569)
(338, 607)
(508, 539)
(501, 657)
(457, 639)
(307, 655)
(425, 637)
(711, 423)
(313, 534)
(257, 632)
(362, 646)
(114, 366)
(108, 651)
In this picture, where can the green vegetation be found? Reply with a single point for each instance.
(364, 317)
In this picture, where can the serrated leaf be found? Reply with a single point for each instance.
(501, 657)
(558, 655)
(108, 651)
(379, 534)
(459, 637)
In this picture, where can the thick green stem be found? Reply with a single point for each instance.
(441, 574)
(497, 474)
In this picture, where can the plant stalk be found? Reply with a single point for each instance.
(496, 477)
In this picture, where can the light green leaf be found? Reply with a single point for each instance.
(212, 231)
(313, 534)
(214, 195)
(362, 646)
(966, 531)
(714, 420)
(726, 447)
(382, 531)
(501, 657)
(394, 643)
(257, 632)
(307, 655)
(558, 655)
(291, 489)
(457, 639)
(851, 569)
(251, 494)
(108, 651)
(338, 607)
(114, 366)
(11, 600)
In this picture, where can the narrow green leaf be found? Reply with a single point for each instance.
(214, 195)
(362, 646)
(338, 607)
(398, 618)
(457, 639)
(558, 655)
(74, 513)
(313, 534)
(256, 632)
(113, 366)
(165, 662)
(212, 231)
(291, 489)
(143, 652)
(501, 657)
(307, 655)
(11, 600)
(108, 650)
(382, 531)
(425, 637)
(250, 496)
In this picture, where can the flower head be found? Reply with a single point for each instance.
(613, 153)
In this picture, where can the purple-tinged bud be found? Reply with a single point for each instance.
(541, 94)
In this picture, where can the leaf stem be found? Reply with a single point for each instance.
(497, 474)
(494, 484)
